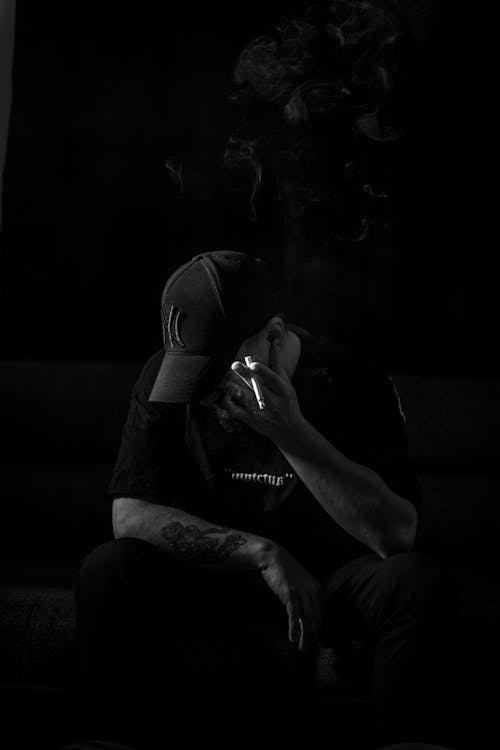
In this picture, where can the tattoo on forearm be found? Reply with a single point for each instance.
(200, 545)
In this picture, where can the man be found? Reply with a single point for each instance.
(279, 490)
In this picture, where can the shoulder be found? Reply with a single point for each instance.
(348, 378)
(321, 357)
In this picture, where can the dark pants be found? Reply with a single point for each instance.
(144, 619)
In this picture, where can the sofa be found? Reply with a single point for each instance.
(61, 426)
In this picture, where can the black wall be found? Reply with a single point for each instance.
(105, 94)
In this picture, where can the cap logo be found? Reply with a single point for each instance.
(171, 326)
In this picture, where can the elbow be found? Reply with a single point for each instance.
(401, 537)
(124, 515)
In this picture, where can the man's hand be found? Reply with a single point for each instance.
(299, 592)
(281, 412)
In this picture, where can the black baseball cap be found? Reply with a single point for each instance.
(209, 305)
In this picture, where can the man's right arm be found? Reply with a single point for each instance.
(191, 539)
(198, 542)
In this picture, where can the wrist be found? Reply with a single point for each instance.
(264, 550)
(294, 435)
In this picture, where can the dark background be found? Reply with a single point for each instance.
(105, 94)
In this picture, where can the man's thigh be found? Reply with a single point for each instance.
(365, 593)
(139, 606)
(135, 570)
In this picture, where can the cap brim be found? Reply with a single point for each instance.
(186, 377)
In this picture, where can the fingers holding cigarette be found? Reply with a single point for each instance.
(255, 386)
(251, 382)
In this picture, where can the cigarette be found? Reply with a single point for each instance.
(255, 386)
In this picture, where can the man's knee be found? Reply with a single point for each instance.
(419, 578)
(109, 564)
(414, 568)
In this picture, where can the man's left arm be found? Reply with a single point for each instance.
(354, 495)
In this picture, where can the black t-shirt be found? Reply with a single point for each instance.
(178, 455)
